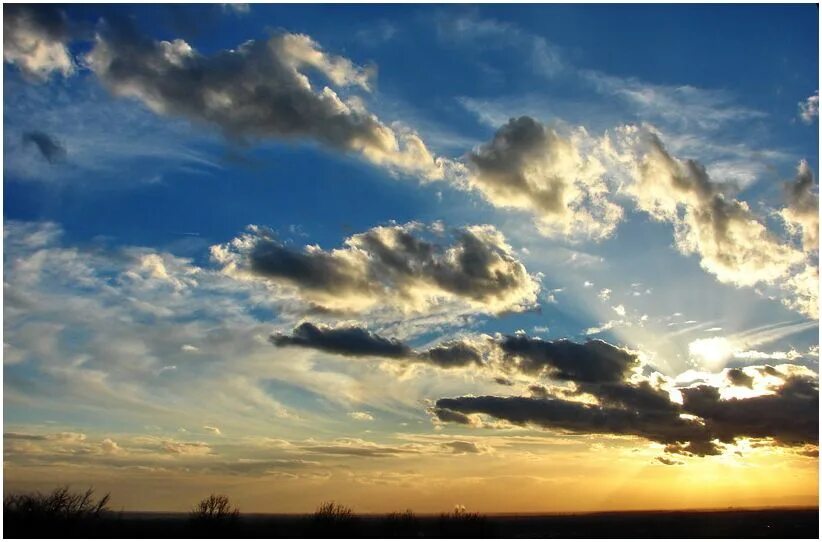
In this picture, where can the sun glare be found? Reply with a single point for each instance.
(713, 352)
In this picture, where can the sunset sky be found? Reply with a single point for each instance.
(520, 259)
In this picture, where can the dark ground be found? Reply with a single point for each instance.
(771, 523)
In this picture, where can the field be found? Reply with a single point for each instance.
(770, 523)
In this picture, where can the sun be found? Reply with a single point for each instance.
(713, 352)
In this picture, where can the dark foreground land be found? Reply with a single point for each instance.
(770, 523)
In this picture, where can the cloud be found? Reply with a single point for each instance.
(790, 415)
(593, 361)
(34, 40)
(739, 377)
(354, 341)
(457, 353)
(809, 108)
(51, 149)
(787, 413)
(346, 341)
(482, 34)
(668, 461)
(397, 266)
(361, 416)
(236, 8)
(531, 167)
(577, 417)
(187, 448)
(802, 212)
(732, 243)
(258, 90)
(463, 447)
(358, 448)
(683, 106)
(102, 137)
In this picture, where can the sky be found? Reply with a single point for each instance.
(512, 258)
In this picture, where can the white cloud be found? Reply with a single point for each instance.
(532, 167)
(34, 39)
(809, 108)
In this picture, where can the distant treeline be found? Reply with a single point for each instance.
(67, 514)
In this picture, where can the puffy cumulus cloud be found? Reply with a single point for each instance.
(731, 242)
(399, 266)
(803, 287)
(530, 166)
(34, 40)
(355, 341)
(809, 108)
(802, 212)
(258, 90)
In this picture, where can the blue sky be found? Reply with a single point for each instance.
(125, 185)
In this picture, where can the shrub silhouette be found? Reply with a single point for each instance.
(214, 509)
(213, 516)
(60, 511)
(401, 525)
(333, 519)
(464, 524)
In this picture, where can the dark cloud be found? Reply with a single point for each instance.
(576, 417)
(347, 341)
(538, 390)
(356, 341)
(790, 415)
(453, 354)
(640, 397)
(51, 149)
(447, 415)
(49, 19)
(400, 266)
(668, 461)
(593, 361)
(258, 90)
(738, 377)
